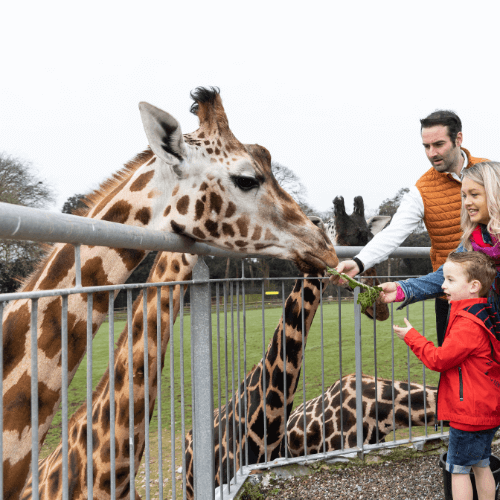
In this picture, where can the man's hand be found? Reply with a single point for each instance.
(389, 292)
(348, 267)
(401, 332)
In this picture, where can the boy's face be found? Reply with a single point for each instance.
(456, 286)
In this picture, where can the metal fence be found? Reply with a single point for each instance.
(223, 345)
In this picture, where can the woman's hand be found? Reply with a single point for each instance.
(389, 292)
(401, 332)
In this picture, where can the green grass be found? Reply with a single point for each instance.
(313, 361)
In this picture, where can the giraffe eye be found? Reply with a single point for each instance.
(245, 183)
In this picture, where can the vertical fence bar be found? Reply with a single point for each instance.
(233, 393)
(283, 341)
(228, 461)
(172, 384)
(1, 392)
(423, 372)
(322, 364)
(64, 377)
(183, 416)
(34, 398)
(359, 371)
(201, 339)
(219, 389)
(130, 390)
(264, 390)
(375, 370)
(409, 378)
(111, 349)
(90, 463)
(245, 402)
(303, 365)
(339, 301)
(146, 388)
(158, 396)
(392, 357)
(238, 405)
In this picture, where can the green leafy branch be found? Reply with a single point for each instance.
(367, 297)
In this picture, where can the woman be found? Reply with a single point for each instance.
(480, 221)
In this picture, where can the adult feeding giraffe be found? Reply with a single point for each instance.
(205, 185)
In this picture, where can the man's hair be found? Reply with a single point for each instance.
(447, 119)
(477, 266)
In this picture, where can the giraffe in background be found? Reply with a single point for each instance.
(205, 185)
(423, 404)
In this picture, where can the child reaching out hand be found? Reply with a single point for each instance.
(469, 363)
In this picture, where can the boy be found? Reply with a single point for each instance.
(469, 385)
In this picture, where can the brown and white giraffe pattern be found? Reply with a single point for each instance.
(254, 442)
(177, 186)
(423, 404)
(168, 267)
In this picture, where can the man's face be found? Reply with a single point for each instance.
(442, 153)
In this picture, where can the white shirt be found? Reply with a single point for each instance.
(404, 222)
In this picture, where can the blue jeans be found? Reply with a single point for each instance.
(469, 448)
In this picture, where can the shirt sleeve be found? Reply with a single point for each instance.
(457, 345)
(404, 222)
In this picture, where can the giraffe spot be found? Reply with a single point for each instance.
(227, 229)
(151, 162)
(219, 143)
(177, 228)
(184, 260)
(183, 205)
(242, 224)
(228, 245)
(221, 160)
(143, 215)
(15, 328)
(201, 135)
(199, 208)
(153, 194)
(231, 209)
(119, 377)
(215, 203)
(54, 481)
(131, 258)
(107, 199)
(203, 187)
(175, 266)
(210, 151)
(217, 151)
(13, 489)
(161, 266)
(93, 274)
(212, 228)
(261, 246)
(176, 190)
(142, 181)
(270, 236)
(240, 243)
(167, 211)
(50, 339)
(119, 212)
(222, 188)
(206, 143)
(62, 263)
(257, 233)
(199, 233)
(213, 160)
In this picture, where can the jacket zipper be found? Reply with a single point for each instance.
(460, 383)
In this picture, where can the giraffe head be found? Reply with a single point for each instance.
(223, 193)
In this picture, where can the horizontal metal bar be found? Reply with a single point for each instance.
(25, 223)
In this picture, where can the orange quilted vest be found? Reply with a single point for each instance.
(442, 203)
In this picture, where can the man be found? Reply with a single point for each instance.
(435, 199)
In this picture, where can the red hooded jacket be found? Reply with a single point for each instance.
(469, 386)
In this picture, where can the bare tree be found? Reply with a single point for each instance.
(20, 185)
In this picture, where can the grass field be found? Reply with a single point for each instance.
(404, 362)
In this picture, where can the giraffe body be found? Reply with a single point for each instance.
(423, 402)
(205, 185)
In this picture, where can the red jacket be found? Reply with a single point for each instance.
(469, 386)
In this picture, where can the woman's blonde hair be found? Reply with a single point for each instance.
(487, 174)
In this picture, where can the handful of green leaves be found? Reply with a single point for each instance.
(367, 297)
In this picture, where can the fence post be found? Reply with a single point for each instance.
(359, 373)
(202, 377)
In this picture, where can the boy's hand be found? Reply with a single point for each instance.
(401, 332)
(389, 292)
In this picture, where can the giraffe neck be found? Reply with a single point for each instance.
(167, 267)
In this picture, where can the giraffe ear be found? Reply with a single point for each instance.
(164, 134)
(377, 223)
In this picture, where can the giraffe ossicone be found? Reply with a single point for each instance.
(205, 185)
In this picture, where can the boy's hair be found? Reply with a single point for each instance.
(477, 266)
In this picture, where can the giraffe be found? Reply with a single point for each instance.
(205, 185)
(354, 230)
(274, 389)
(423, 403)
(167, 267)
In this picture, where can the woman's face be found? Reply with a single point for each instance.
(474, 201)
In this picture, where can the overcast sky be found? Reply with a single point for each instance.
(334, 90)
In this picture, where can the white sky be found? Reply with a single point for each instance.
(334, 90)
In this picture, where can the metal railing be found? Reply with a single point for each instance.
(23, 223)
